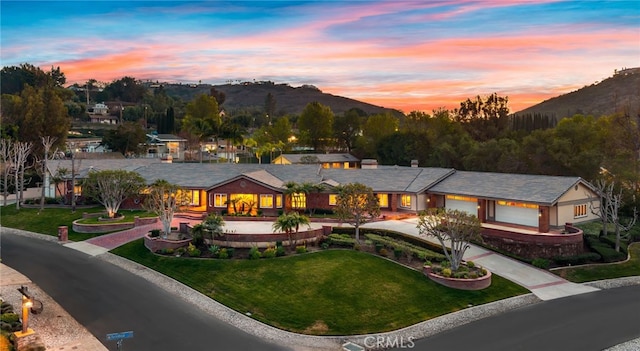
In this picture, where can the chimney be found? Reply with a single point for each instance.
(414, 163)
(369, 164)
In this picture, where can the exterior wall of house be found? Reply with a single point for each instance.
(243, 186)
(421, 202)
(575, 206)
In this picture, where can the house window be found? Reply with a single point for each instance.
(194, 195)
(266, 201)
(333, 199)
(517, 204)
(346, 165)
(335, 165)
(278, 201)
(77, 190)
(405, 201)
(383, 200)
(580, 211)
(462, 198)
(220, 200)
(299, 200)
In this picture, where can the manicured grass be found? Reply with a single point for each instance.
(128, 216)
(604, 271)
(330, 292)
(46, 222)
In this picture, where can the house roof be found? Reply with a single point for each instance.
(322, 158)
(83, 165)
(530, 188)
(164, 137)
(389, 178)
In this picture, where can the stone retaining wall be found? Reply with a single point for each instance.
(157, 244)
(541, 245)
(266, 240)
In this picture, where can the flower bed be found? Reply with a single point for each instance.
(478, 283)
(155, 244)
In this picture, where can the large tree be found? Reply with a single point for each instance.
(202, 119)
(484, 119)
(112, 187)
(316, 125)
(356, 204)
(128, 138)
(165, 199)
(347, 128)
(454, 229)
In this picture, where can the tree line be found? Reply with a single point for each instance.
(479, 135)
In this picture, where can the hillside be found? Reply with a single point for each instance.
(619, 93)
(289, 100)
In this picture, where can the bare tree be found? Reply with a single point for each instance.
(112, 187)
(6, 157)
(165, 199)
(453, 227)
(598, 205)
(47, 143)
(614, 204)
(21, 151)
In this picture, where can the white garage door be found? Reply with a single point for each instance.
(517, 215)
(467, 206)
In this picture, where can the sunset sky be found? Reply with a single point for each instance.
(408, 55)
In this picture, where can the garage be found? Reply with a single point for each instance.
(470, 207)
(516, 215)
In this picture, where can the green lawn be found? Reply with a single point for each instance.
(128, 216)
(604, 271)
(330, 292)
(46, 222)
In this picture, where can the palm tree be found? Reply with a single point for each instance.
(290, 223)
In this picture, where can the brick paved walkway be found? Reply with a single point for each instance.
(113, 240)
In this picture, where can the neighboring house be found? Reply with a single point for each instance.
(98, 109)
(326, 160)
(164, 145)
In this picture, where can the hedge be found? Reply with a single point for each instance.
(392, 234)
(417, 251)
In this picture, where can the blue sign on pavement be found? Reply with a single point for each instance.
(119, 336)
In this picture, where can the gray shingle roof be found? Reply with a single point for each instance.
(295, 158)
(506, 186)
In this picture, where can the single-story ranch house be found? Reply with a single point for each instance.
(510, 206)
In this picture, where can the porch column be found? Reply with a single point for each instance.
(543, 219)
(394, 202)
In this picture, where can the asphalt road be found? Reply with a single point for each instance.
(592, 321)
(107, 299)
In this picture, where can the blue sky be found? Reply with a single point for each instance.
(410, 55)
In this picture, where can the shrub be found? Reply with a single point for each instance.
(356, 247)
(446, 272)
(6, 307)
(167, 251)
(280, 251)
(383, 252)
(301, 249)
(428, 263)
(542, 263)
(577, 259)
(223, 253)
(254, 253)
(445, 264)
(193, 251)
(154, 233)
(324, 245)
(473, 275)
(471, 264)
(397, 253)
(269, 252)
(279, 243)
(483, 272)
(411, 250)
(231, 251)
(214, 249)
(379, 247)
(611, 242)
(461, 275)
(342, 240)
(609, 254)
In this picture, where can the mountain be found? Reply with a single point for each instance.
(619, 93)
(289, 100)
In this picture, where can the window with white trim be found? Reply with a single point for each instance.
(266, 201)
(299, 200)
(220, 200)
(405, 201)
